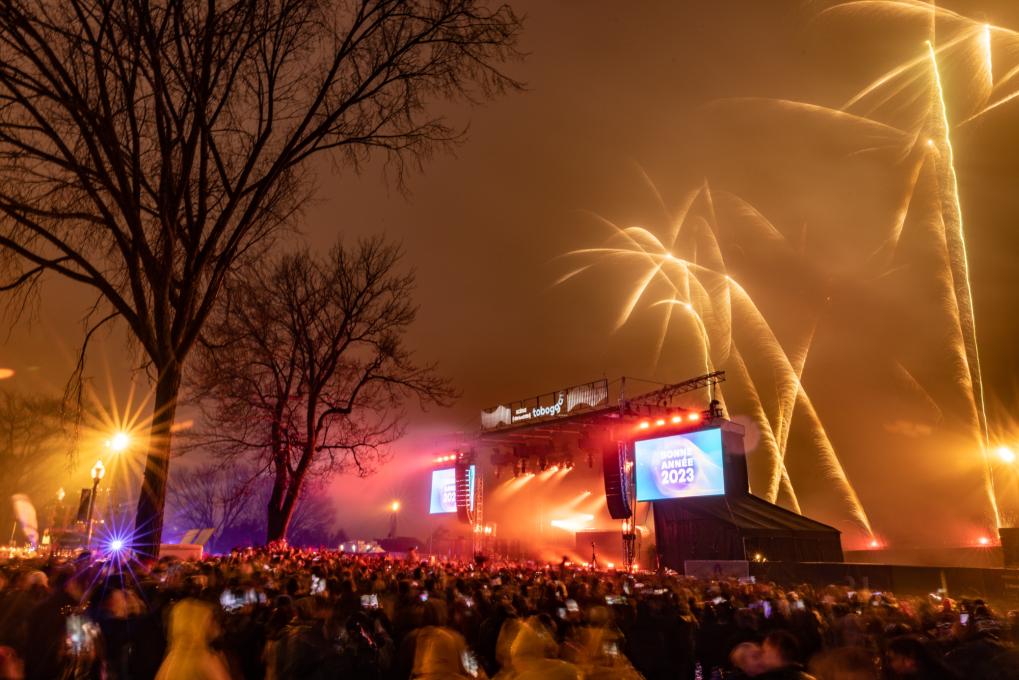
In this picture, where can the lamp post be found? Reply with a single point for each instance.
(98, 470)
(394, 509)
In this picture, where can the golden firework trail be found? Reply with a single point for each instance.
(930, 145)
(912, 91)
(714, 301)
(959, 271)
(771, 444)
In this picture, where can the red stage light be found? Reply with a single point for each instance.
(660, 422)
(644, 425)
(874, 543)
(693, 417)
(983, 540)
(677, 419)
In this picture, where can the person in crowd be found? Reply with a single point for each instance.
(912, 658)
(780, 657)
(190, 656)
(845, 663)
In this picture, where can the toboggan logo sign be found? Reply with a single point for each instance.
(540, 411)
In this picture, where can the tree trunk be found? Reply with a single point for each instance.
(278, 523)
(282, 511)
(277, 519)
(148, 522)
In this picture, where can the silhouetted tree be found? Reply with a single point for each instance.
(148, 147)
(32, 448)
(210, 496)
(306, 369)
(232, 501)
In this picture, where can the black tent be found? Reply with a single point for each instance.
(738, 525)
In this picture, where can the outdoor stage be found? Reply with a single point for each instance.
(656, 479)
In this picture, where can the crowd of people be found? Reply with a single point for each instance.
(289, 614)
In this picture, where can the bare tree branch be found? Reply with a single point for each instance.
(309, 374)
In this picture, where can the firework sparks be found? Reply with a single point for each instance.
(713, 301)
(904, 109)
(959, 270)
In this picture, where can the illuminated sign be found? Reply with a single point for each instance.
(679, 466)
(547, 406)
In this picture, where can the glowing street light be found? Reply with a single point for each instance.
(119, 442)
(394, 510)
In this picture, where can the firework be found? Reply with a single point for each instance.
(681, 269)
(716, 303)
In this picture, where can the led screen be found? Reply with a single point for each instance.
(679, 466)
(443, 498)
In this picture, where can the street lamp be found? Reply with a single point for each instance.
(98, 470)
(394, 509)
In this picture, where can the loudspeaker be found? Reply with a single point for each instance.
(464, 476)
(617, 482)
(1009, 546)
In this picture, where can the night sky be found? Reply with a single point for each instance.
(617, 92)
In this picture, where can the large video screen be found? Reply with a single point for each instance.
(443, 498)
(680, 466)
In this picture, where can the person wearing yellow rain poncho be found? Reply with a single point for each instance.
(189, 656)
(526, 650)
(439, 653)
(597, 650)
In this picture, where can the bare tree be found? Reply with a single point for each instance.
(148, 147)
(32, 442)
(209, 496)
(232, 502)
(307, 369)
